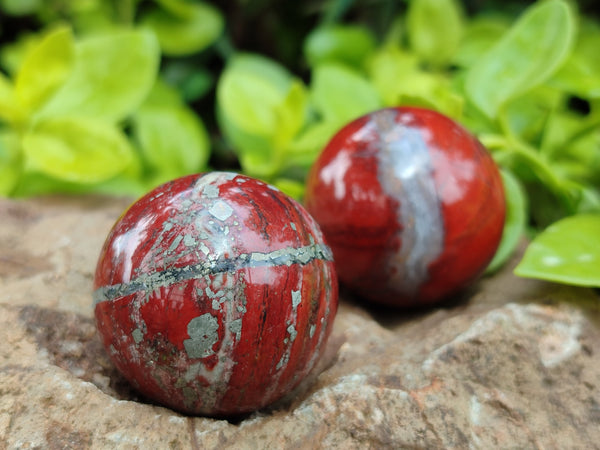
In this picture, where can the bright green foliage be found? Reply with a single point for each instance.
(278, 127)
(261, 107)
(434, 29)
(20, 7)
(580, 75)
(567, 252)
(479, 35)
(9, 162)
(92, 105)
(339, 94)
(76, 149)
(527, 55)
(45, 69)
(61, 119)
(518, 85)
(10, 109)
(112, 75)
(75, 114)
(399, 79)
(13, 53)
(184, 27)
(347, 44)
(252, 92)
(509, 81)
(172, 139)
(515, 222)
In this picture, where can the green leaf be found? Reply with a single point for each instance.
(260, 107)
(528, 114)
(567, 252)
(566, 129)
(250, 91)
(76, 149)
(515, 221)
(561, 126)
(532, 166)
(348, 44)
(340, 94)
(589, 200)
(434, 29)
(45, 68)
(92, 16)
(527, 55)
(184, 27)
(12, 54)
(400, 80)
(122, 185)
(113, 74)
(162, 94)
(480, 34)
(20, 7)
(291, 115)
(10, 109)
(255, 152)
(579, 159)
(580, 75)
(35, 183)
(10, 162)
(173, 140)
(308, 144)
(390, 69)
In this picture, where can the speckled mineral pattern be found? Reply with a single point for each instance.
(215, 294)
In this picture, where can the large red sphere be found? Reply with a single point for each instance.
(411, 204)
(215, 294)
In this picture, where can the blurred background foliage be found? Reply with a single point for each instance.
(117, 96)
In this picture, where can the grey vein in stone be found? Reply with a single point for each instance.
(406, 172)
(150, 282)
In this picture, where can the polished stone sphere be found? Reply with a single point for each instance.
(215, 294)
(411, 203)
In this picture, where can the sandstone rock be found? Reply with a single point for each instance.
(49, 248)
(511, 364)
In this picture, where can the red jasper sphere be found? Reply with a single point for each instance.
(411, 204)
(215, 294)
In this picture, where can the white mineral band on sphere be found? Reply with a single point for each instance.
(405, 171)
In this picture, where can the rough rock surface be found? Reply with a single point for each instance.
(511, 364)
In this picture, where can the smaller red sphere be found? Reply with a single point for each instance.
(411, 204)
(215, 294)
